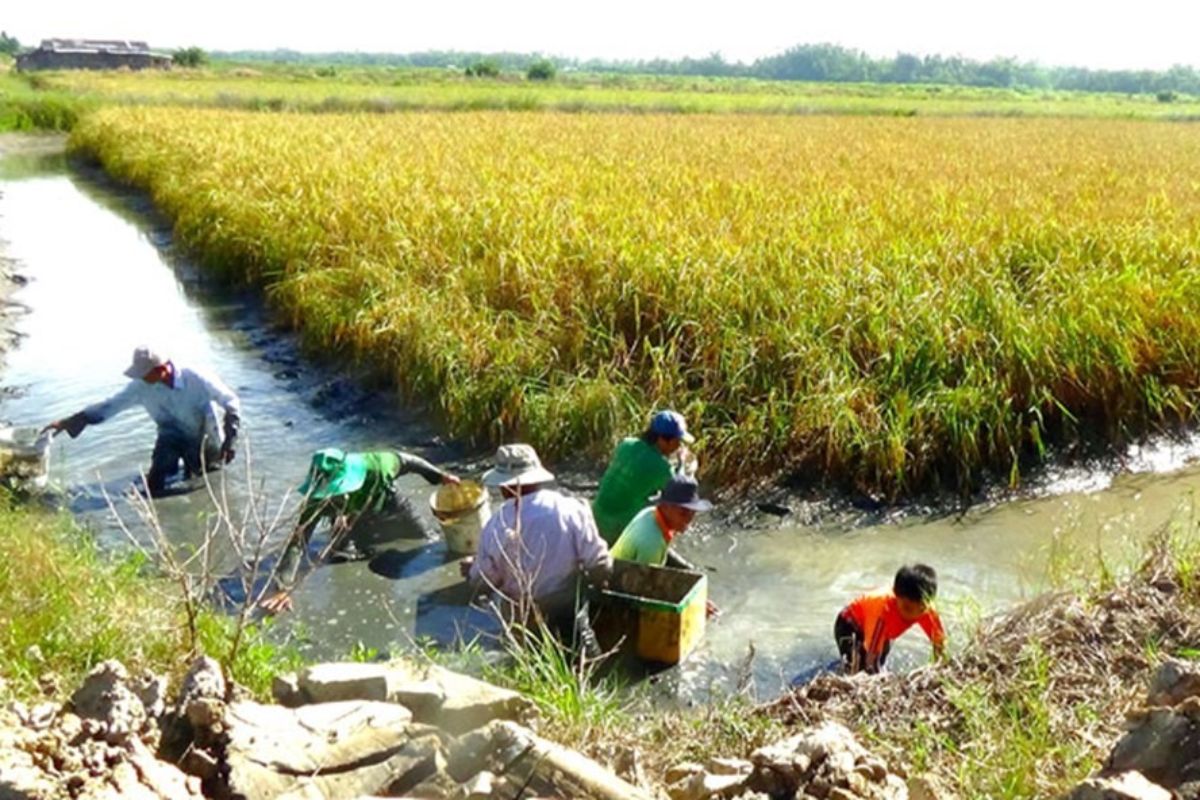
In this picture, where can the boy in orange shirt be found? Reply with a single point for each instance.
(864, 630)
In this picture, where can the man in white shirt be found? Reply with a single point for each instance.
(534, 550)
(182, 402)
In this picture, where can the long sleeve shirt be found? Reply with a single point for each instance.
(376, 494)
(188, 407)
(538, 550)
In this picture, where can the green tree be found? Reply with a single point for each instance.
(190, 57)
(483, 68)
(541, 70)
(9, 44)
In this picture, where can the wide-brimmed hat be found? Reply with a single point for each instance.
(144, 359)
(517, 464)
(685, 492)
(333, 473)
(672, 425)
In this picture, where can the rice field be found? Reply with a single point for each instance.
(886, 304)
(382, 89)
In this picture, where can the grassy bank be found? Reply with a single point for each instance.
(26, 107)
(886, 304)
(65, 607)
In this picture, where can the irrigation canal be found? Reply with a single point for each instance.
(103, 276)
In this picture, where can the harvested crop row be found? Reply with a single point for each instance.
(892, 304)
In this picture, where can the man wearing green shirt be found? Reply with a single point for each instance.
(640, 467)
(647, 539)
(345, 488)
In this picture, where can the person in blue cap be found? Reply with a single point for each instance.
(343, 488)
(640, 468)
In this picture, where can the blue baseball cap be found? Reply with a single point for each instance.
(671, 425)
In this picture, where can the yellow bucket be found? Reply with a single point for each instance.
(462, 510)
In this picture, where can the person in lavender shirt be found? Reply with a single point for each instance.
(535, 551)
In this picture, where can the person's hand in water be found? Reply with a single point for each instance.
(227, 453)
(277, 603)
(73, 425)
(711, 610)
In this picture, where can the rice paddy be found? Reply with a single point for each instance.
(378, 89)
(880, 303)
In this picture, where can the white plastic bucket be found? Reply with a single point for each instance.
(24, 458)
(462, 510)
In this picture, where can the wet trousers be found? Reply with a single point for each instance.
(170, 449)
(851, 646)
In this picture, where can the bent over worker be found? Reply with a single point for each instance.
(647, 538)
(356, 492)
(182, 401)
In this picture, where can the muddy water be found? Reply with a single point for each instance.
(104, 277)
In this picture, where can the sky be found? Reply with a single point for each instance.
(1148, 34)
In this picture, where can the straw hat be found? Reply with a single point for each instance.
(517, 465)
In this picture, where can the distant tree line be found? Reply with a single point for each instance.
(807, 62)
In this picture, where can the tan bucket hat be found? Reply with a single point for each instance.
(517, 464)
(144, 360)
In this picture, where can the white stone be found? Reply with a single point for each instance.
(681, 772)
(330, 683)
(702, 786)
(729, 766)
(1126, 786)
(340, 749)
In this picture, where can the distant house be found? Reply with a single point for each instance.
(91, 54)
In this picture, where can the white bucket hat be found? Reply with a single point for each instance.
(517, 464)
(144, 360)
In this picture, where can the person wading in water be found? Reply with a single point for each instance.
(183, 403)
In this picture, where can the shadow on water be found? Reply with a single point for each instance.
(104, 276)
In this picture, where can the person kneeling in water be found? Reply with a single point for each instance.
(346, 488)
(865, 629)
